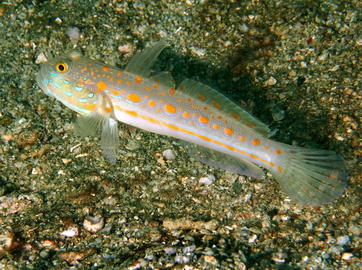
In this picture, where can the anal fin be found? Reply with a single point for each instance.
(222, 161)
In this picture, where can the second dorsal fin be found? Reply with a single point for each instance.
(223, 104)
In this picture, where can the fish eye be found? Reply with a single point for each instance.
(61, 67)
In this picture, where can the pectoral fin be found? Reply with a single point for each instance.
(109, 139)
(94, 124)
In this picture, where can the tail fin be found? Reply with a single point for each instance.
(312, 176)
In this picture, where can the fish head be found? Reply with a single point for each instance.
(63, 78)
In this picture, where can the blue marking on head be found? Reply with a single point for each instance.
(66, 82)
(74, 107)
(54, 74)
(85, 78)
(105, 91)
(57, 85)
(115, 96)
(90, 95)
(83, 100)
(69, 94)
(78, 88)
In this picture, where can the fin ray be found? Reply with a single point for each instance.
(221, 160)
(312, 176)
(142, 62)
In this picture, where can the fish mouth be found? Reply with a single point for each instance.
(40, 80)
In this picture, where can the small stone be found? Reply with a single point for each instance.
(41, 58)
(49, 244)
(58, 20)
(207, 180)
(73, 33)
(347, 256)
(93, 223)
(343, 240)
(271, 81)
(73, 257)
(169, 250)
(198, 51)
(70, 231)
(126, 49)
(210, 259)
(169, 154)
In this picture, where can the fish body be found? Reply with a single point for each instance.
(218, 132)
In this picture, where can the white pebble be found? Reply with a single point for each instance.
(169, 154)
(169, 250)
(41, 58)
(207, 180)
(342, 240)
(73, 32)
(93, 223)
(347, 256)
(70, 232)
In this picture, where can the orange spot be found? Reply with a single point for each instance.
(134, 98)
(194, 106)
(201, 97)
(147, 88)
(179, 100)
(146, 97)
(186, 115)
(105, 68)
(228, 131)
(235, 116)
(107, 109)
(242, 139)
(203, 120)
(138, 79)
(205, 108)
(155, 85)
(123, 91)
(278, 152)
(119, 73)
(169, 108)
(119, 81)
(255, 142)
(215, 126)
(162, 93)
(152, 103)
(101, 85)
(251, 125)
(216, 105)
(181, 88)
(188, 99)
(90, 107)
(161, 101)
(128, 83)
(158, 110)
(116, 93)
(280, 169)
(266, 147)
(172, 91)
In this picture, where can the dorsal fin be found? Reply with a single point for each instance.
(164, 78)
(142, 62)
(223, 104)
